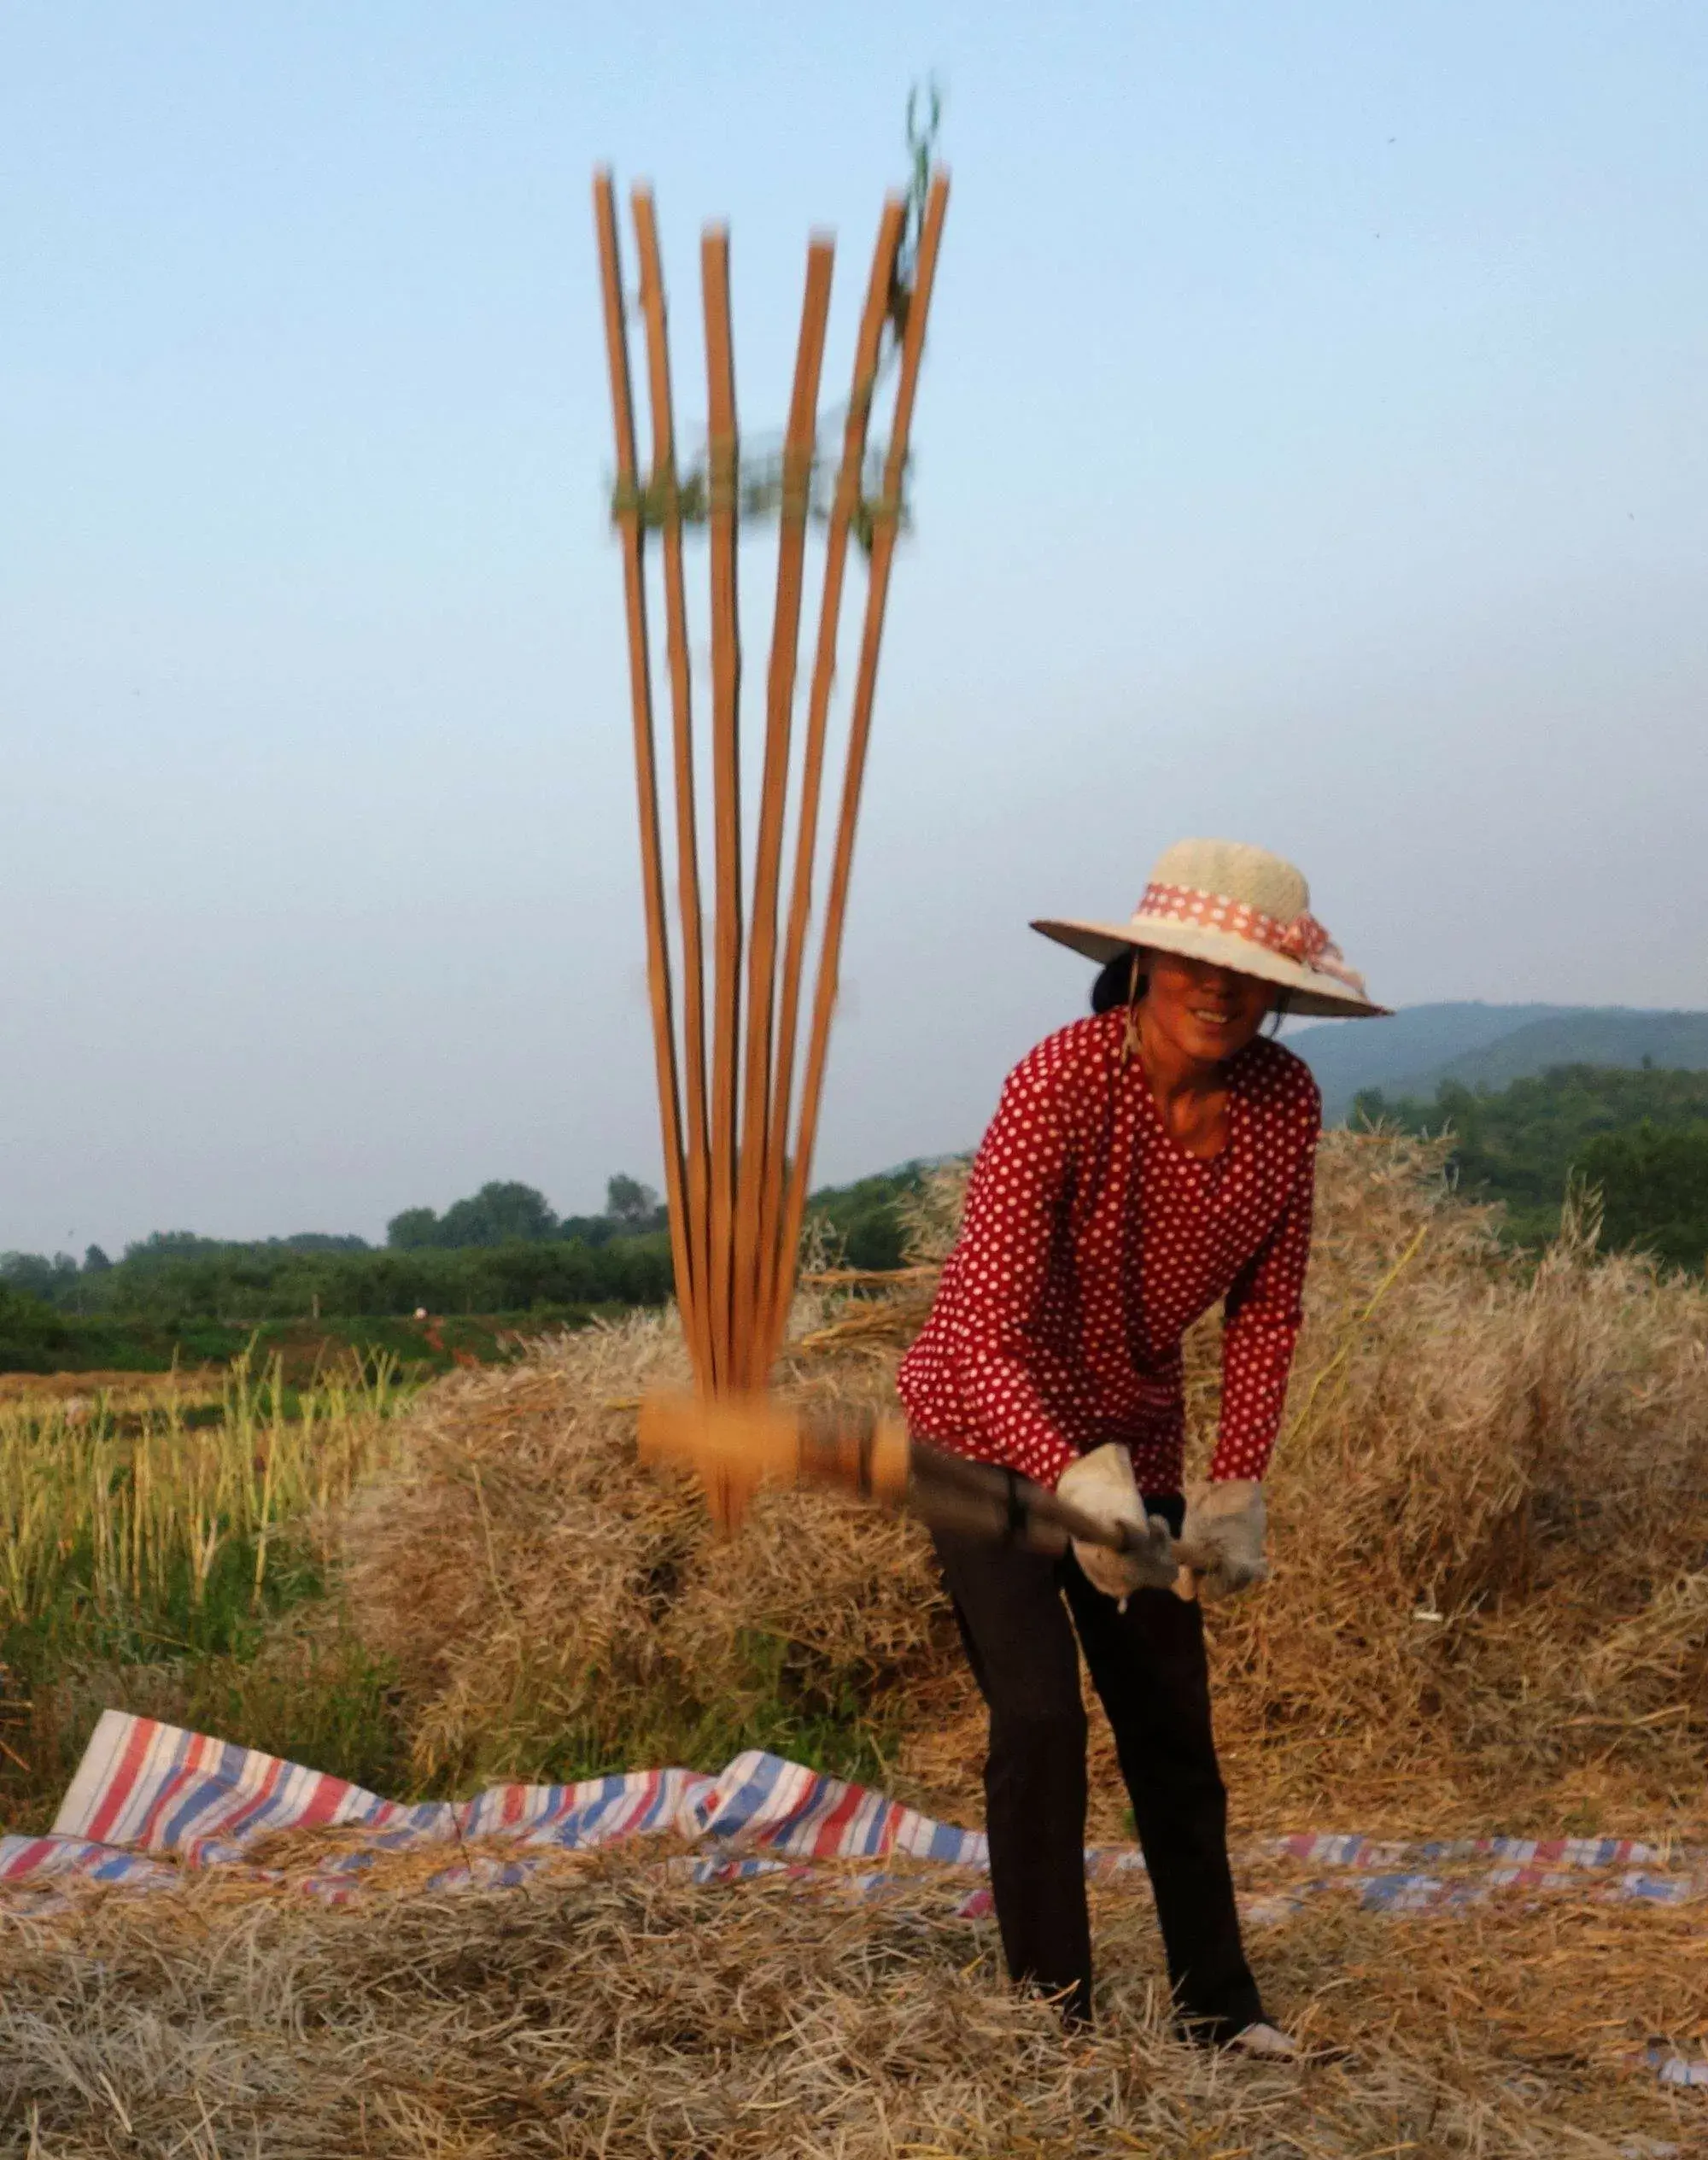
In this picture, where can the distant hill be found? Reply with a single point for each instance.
(1481, 1046)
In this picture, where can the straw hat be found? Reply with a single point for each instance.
(1241, 908)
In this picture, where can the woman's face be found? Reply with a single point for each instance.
(1203, 1012)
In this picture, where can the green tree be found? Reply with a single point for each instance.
(1654, 1190)
(1520, 1143)
(31, 1333)
(627, 1201)
(864, 1219)
(33, 1273)
(500, 1213)
(412, 1229)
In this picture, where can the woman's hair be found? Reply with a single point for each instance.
(1114, 984)
(1118, 982)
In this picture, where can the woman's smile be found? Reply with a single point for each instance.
(1204, 1014)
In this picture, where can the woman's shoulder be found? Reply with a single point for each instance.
(1063, 1061)
(1270, 1077)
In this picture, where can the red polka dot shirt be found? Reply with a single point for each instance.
(1091, 1241)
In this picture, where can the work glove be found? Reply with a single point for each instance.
(1102, 1484)
(1227, 1519)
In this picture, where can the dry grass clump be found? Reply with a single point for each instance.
(1491, 1500)
(550, 1608)
(614, 2009)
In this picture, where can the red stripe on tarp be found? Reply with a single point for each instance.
(123, 1780)
(327, 1798)
(25, 1861)
(826, 1845)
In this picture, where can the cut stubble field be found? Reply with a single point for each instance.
(1489, 1617)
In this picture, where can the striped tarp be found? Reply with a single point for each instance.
(149, 1800)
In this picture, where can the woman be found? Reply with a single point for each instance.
(1142, 1164)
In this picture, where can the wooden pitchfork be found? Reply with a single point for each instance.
(738, 1102)
(737, 1446)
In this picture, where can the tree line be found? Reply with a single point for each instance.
(503, 1249)
(1638, 1136)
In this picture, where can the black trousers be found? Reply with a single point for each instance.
(1148, 1667)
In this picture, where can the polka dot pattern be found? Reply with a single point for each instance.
(1091, 1241)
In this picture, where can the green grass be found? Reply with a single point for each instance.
(306, 1346)
(160, 1550)
(769, 1703)
(159, 1553)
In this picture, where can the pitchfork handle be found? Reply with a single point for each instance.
(958, 1493)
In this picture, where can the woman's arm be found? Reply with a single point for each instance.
(1263, 1311)
(1002, 1260)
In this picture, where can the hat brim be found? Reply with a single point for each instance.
(1310, 992)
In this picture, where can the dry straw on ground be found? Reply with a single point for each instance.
(618, 2010)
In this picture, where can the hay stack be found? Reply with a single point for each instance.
(1492, 1497)
(550, 1609)
(1491, 1531)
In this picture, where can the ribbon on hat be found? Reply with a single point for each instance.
(1304, 940)
(1307, 941)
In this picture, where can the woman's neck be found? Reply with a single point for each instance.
(1190, 1093)
(1174, 1075)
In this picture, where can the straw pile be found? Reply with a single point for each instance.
(1490, 1511)
(1494, 1507)
(549, 1607)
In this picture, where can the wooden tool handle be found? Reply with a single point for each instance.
(737, 1443)
(1008, 1501)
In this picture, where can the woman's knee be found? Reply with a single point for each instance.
(1040, 1732)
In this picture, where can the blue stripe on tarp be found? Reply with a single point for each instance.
(759, 1774)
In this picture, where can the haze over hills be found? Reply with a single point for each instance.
(1487, 1046)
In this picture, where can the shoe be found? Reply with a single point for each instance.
(1265, 2044)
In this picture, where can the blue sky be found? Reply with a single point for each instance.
(1311, 450)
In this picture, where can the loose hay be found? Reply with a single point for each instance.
(615, 2009)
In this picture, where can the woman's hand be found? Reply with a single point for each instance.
(1102, 1484)
(1227, 1518)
